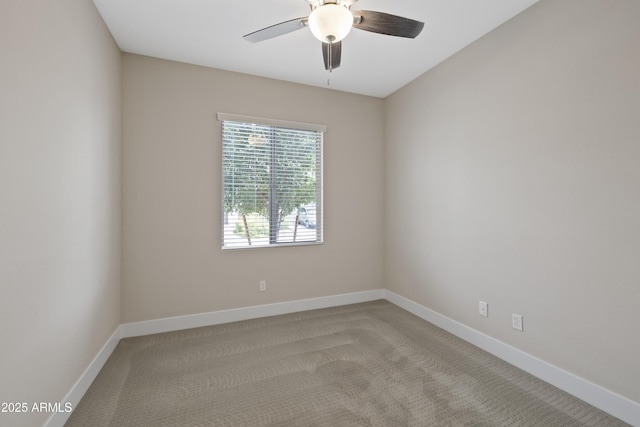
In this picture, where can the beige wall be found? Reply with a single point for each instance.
(59, 197)
(172, 258)
(513, 176)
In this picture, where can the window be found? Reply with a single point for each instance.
(271, 182)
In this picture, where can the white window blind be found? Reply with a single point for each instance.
(272, 182)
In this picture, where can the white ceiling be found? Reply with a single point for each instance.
(209, 33)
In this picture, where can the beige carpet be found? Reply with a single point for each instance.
(370, 364)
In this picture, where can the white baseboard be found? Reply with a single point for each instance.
(58, 419)
(245, 313)
(606, 400)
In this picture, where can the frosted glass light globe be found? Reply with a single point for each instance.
(330, 23)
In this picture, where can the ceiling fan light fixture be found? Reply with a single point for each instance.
(330, 23)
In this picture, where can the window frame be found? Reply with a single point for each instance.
(282, 124)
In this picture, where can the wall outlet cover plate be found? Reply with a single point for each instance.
(483, 309)
(516, 321)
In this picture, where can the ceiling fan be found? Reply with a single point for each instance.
(331, 20)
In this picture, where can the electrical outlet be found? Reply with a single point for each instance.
(516, 321)
(263, 285)
(483, 309)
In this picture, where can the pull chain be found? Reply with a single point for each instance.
(330, 62)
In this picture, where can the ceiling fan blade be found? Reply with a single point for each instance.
(332, 54)
(276, 30)
(384, 23)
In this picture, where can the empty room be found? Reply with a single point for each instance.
(318, 212)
